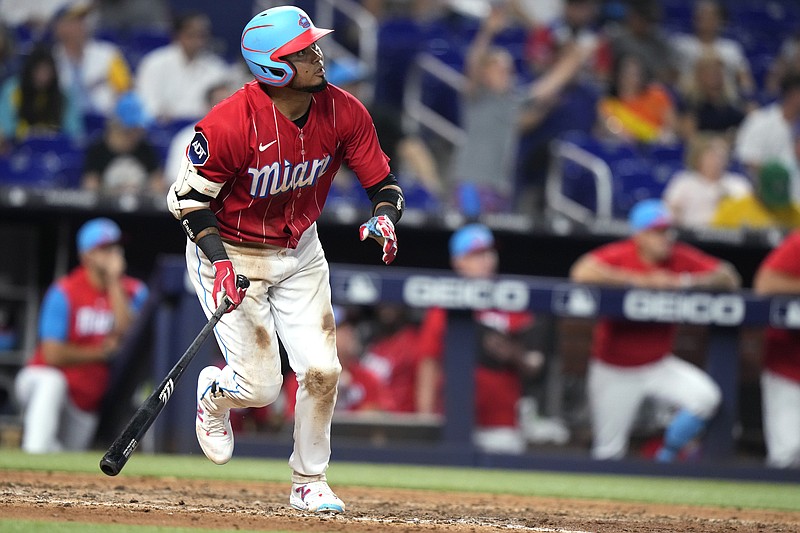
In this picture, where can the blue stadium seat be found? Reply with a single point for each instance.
(633, 181)
(160, 135)
(43, 162)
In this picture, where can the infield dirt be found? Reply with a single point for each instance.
(172, 502)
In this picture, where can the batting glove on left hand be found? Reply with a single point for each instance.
(225, 285)
(381, 229)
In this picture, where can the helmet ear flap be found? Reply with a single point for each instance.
(277, 74)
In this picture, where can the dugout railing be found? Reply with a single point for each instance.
(180, 317)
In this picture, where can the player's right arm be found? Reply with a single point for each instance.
(189, 200)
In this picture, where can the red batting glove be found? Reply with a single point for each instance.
(225, 285)
(381, 229)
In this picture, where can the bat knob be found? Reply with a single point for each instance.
(242, 282)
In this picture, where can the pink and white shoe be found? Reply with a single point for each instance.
(212, 426)
(316, 497)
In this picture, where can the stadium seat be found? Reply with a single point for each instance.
(44, 162)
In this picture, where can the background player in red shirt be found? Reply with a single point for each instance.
(779, 273)
(510, 349)
(83, 317)
(248, 195)
(631, 360)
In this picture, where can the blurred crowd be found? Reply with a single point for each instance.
(695, 102)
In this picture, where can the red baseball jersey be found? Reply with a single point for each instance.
(625, 343)
(276, 175)
(394, 360)
(497, 393)
(84, 319)
(782, 346)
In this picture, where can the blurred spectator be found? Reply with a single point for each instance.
(570, 61)
(708, 21)
(33, 104)
(359, 388)
(34, 16)
(93, 71)
(632, 361)
(708, 102)
(694, 194)
(83, 318)
(511, 353)
(539, 13)
(546, 43)
(778, 274)
(636, 109)
(123, 161)
(409, 156)
(177, 147)
(391, 354)
(173, 80)
(483, 165)
(641, 35)
(770, 133)
(785, 64)
(770, 205)
(495, 110)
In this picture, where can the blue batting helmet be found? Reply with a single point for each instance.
(273, 34)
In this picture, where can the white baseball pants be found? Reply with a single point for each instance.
(616, 393)
(50, 421)
(780, 402)
(289, 297)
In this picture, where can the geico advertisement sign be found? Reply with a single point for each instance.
(455, 293)
(695, 308)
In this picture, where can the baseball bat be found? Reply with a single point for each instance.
(123, 446)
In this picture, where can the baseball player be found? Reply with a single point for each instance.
(81, 322)
(255, 180)
(631, 361)
(779, 273)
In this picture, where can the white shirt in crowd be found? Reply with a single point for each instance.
(98, 79)
(694, 199)
(689, 48)
(765, 136)
(173, 88)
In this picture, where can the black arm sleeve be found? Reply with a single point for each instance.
(387, 198)
(388, 180)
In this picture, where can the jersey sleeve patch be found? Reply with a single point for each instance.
(198, 150)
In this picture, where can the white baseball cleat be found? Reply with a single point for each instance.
(316, 497)
(213, 428)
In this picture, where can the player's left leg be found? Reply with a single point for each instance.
(683, 384)
(615, 395)
(303, 314)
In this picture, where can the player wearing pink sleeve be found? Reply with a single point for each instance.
(632, 361)
(779, 273)
(248, 195)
